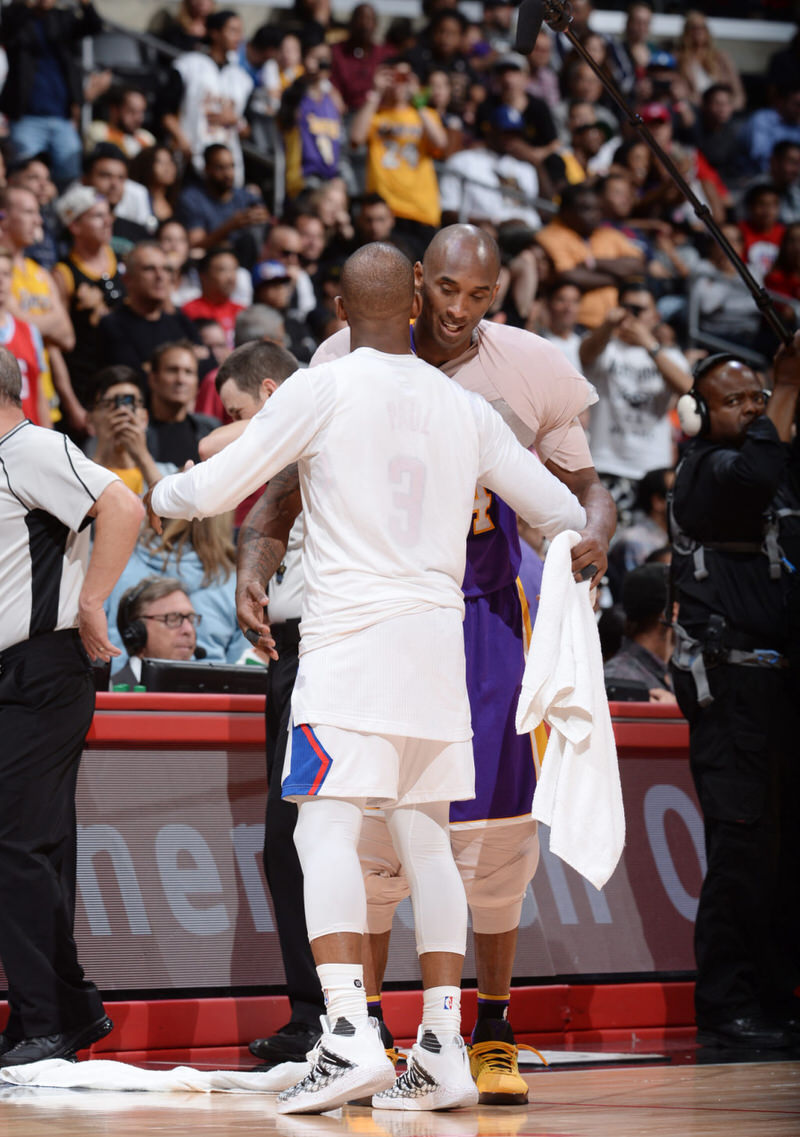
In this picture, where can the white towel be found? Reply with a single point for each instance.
(578, 793)
(103, 1074)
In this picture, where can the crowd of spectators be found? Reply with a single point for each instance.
(215, 204)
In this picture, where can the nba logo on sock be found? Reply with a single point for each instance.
(447, 1002)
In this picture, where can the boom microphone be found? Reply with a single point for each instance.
(529, 22)
(200, 652)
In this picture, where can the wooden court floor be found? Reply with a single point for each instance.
(743, 1100)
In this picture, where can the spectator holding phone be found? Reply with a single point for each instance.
(118, 420)
(402, 142)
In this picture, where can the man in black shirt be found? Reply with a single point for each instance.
(735, 684)
(538, 142)
(642, 660)
(715, 133)
(133, 331)
(174, 430)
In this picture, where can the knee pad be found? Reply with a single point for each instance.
(496, 864)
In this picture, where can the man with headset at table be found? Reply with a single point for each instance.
(156, 620)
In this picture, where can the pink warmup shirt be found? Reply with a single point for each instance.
(526, 378)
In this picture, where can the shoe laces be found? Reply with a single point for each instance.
(502, 1056)
(538, 1053)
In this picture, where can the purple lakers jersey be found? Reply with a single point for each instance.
(493, 553)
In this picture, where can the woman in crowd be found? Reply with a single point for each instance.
(174, 240)
(633, 157)
(156, 169)
(702, 63)
(439, 96)
(186, 30)
(201, 554)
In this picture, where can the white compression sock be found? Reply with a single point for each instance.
(441, 1010)
(343, 987)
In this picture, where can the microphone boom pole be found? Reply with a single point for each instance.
(557, 14)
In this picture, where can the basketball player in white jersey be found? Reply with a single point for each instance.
(389, 451)
(494, 840)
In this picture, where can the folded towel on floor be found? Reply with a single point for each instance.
(102, 1074)
(578, 793)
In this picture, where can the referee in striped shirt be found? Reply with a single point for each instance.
(51, 623)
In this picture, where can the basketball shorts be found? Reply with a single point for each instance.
(329, 761)
(496, 635)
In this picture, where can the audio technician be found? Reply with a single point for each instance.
(735, 530)
(156, 620)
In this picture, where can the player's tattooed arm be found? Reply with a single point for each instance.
(261, 548)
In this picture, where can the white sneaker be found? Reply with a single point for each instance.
(437, 1077)
(348, 1062)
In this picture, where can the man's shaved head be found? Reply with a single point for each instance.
(461, 240)
(458, 282)
(377, 284)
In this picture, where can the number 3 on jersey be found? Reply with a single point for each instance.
(408, 474)
(481, 521)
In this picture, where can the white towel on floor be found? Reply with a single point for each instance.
(578, 793)
(102, 1074)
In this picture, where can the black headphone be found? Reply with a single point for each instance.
(692, 408)
(132, 632)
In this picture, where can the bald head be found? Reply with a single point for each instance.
(734, 395)
(458, 282)
(463, 242)
(377, 284)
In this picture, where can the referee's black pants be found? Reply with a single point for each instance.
(46, 707)
(281, 863)
(744, 761)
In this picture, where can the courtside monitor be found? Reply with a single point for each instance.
(195, 677)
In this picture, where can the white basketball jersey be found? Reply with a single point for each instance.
(389, 453)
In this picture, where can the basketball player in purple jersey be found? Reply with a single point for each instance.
(494, 838)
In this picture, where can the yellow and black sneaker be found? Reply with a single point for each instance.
(392, 1053)
(493, 1063)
